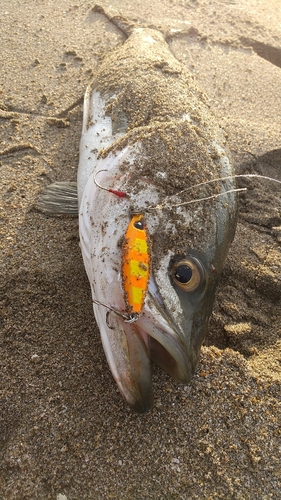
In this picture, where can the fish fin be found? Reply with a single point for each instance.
(127, 27)
(59, 198)
(121, 22)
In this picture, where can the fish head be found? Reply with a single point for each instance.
(188, 246)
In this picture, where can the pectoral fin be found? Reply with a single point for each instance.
(59, 198)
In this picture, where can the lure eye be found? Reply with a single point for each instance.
(139, 224)
(188, 274)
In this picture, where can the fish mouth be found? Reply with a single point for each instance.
(166, 341)
(130, 349)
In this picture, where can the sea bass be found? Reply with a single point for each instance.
(148, 131)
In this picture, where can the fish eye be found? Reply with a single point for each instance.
(188, 274)
(139, 224)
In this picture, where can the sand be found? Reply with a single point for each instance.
(66, 433)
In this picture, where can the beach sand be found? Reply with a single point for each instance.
(66, 433)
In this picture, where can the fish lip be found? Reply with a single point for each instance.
(156, 322)
(139, 393)
(127, 353)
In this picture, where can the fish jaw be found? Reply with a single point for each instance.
(130, 348)
(127, 352)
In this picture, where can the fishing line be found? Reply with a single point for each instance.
(258, 176)
(225, 179)
(122, 194)
(161, 207)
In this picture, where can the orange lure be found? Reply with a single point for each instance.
(135, 265)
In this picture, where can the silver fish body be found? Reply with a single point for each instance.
(148, 130)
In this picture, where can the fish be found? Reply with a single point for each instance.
(149, 133)
(148, 130)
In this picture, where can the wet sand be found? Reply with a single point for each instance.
(66, 433)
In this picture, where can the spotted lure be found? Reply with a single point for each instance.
(135, 265)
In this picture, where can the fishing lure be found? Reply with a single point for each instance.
(135, 265)
(135, 269)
